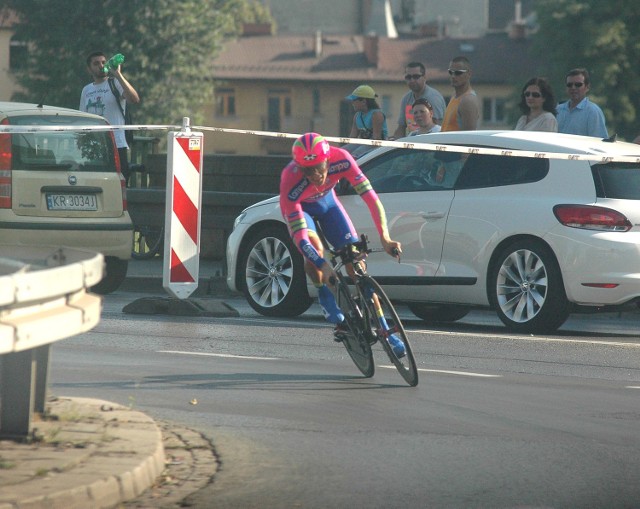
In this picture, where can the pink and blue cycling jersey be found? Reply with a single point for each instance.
(302, 202)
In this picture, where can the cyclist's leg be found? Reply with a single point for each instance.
(336, 224)
(327, 300)
(339, 231)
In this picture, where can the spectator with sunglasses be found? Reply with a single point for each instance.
(415, 77)
(463, 110)
(538, 106)
(579, 115)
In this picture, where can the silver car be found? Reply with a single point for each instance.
(533, 238)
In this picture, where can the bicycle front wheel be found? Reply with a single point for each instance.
(384, 322)
(355, 340)
(147, 241)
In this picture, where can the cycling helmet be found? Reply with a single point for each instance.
(310, 149)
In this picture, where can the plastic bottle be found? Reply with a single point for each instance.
(113, 62)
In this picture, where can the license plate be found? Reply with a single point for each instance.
(72, 202)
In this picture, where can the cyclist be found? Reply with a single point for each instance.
(306, 192)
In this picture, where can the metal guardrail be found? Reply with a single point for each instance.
(43, 298)
(219, 208)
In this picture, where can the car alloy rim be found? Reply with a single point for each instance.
(521, 286)
(269, 272)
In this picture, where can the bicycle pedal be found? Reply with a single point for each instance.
(339, 337)
(340, 333)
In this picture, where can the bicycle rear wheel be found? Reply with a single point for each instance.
(389, 323)
(147, 241)
(355, 340)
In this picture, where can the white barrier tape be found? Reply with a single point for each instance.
(374, 143)
(17, 129)
(441, 147)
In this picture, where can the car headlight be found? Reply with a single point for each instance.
(239, 219)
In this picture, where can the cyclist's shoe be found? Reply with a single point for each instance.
(397, 346)
(341, 330)
(330, 309)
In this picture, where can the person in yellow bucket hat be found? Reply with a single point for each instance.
(369, 121)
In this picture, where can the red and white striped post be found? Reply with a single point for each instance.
(182, 218)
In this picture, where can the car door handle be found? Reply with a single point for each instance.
(432, 215)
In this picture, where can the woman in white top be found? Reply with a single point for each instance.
(423, 116)
(538, 104)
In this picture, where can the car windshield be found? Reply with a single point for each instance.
(61, 150)
(617, 180)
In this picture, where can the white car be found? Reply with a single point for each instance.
(63, 187)
(534, 238)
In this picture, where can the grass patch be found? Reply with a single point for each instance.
(6, 464)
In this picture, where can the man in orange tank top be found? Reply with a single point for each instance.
(463, 110)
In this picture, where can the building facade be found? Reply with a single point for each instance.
(293, 84)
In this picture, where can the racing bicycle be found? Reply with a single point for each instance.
(368, 312)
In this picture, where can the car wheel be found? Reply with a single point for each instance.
(526, 288)
(274, 281)
(437, 312)
(115, 272)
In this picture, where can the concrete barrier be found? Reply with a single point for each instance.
(43, 298)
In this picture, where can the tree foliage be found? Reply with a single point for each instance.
(168, 46)
(603, 37)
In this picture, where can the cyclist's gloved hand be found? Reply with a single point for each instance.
(392, 247)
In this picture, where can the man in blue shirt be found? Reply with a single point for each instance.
(579, 115)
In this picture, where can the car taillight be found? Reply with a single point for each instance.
(590, 217)
(123, 182)
(116, 152)
(5, 168)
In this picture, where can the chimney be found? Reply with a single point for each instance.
(518, 27)
(251, 29)
(371, 43)
(317, 44)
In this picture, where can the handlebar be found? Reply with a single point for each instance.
(353, 252)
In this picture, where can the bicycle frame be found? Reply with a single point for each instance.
(370, 315)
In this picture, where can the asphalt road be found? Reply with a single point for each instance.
(498, 419)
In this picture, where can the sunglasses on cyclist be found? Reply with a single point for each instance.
(576, 85)
(308, 171)
(457, 72)
(537, 95)
(409, 77)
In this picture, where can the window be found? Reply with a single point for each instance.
(386, 105)
(225, 102)
(408, 171)
(278, 108)
(66, 150)
(493, 110)
(491, 171)
(619, 181)
(18, 54)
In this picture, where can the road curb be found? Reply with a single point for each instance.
(91, 453)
